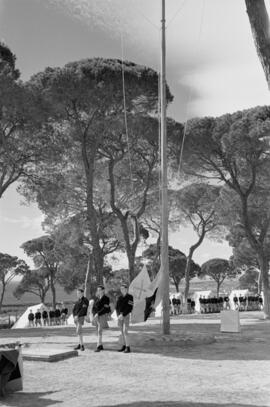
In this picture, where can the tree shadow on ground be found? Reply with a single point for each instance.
(43, 332)
(213, 352)
(251, 344)
(22, 399)
(178, 404)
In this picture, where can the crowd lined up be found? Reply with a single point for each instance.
(249, 303)
(42, 317)
(217, 304)
(59, 316)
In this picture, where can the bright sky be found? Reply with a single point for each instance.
(212, 67)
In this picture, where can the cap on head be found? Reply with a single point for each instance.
(101, 287)
(80, 290)
(124, 285)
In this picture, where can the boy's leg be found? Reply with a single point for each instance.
(125, 328)
(99, 333)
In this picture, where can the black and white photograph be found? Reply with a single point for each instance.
(135, 203)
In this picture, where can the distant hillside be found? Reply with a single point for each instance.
(28, 298)
(196, 284)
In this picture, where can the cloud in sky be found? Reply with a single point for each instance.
(211, 58)
(25, 222)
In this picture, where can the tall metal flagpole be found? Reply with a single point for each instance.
(164, 186)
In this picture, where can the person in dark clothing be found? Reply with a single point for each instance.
(57, 316)
(226, 302)
(64, 314)
(45, 317)
(178, 305)
(174, 303)
(124, 307)
(192, 306)
(79, 312)
(235, 300)
(52, 316)
(38, 318)
(101, 310)
(31, 318)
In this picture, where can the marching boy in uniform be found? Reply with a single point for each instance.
(124, 308)
(79, 312)
(101, 310)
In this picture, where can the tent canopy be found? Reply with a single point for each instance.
(23, 320)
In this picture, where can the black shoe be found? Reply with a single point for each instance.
(127, 350)
(99, 348)
(77, 347)
(82, 347)
(122, 349)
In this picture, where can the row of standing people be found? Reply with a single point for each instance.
(248, 303)
(241, 303)
(100, 314)
(42, 317)
(176, 306)
(214, 304)
(218, 304)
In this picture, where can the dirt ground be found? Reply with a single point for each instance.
(232, 371)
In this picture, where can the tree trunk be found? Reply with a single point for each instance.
(176, 284)
(187, 274)
(188, 264)
(2, 295)
(42, 296)
(89, 168)
(260, 282)
(130, 247)
(259, 22)
(131, 264)
(53, 291)
(264, 266)
(89, 287)
(218, 288)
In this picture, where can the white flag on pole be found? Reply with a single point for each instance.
(139, 286)
(139, 289)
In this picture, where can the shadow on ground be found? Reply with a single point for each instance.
(252, 343)
(179, 404)
(28, 399)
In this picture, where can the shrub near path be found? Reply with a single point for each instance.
(233, 371)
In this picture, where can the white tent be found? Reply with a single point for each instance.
(22, 322)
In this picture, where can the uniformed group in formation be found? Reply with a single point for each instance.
(210, 305)
(44, 318)
(214, 304)
(248, 303)
(241, 303)
(100, 312)
(175, 305)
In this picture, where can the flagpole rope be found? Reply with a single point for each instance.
(191, 89)
(146, 18)
(125, 108)
(177, 12)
